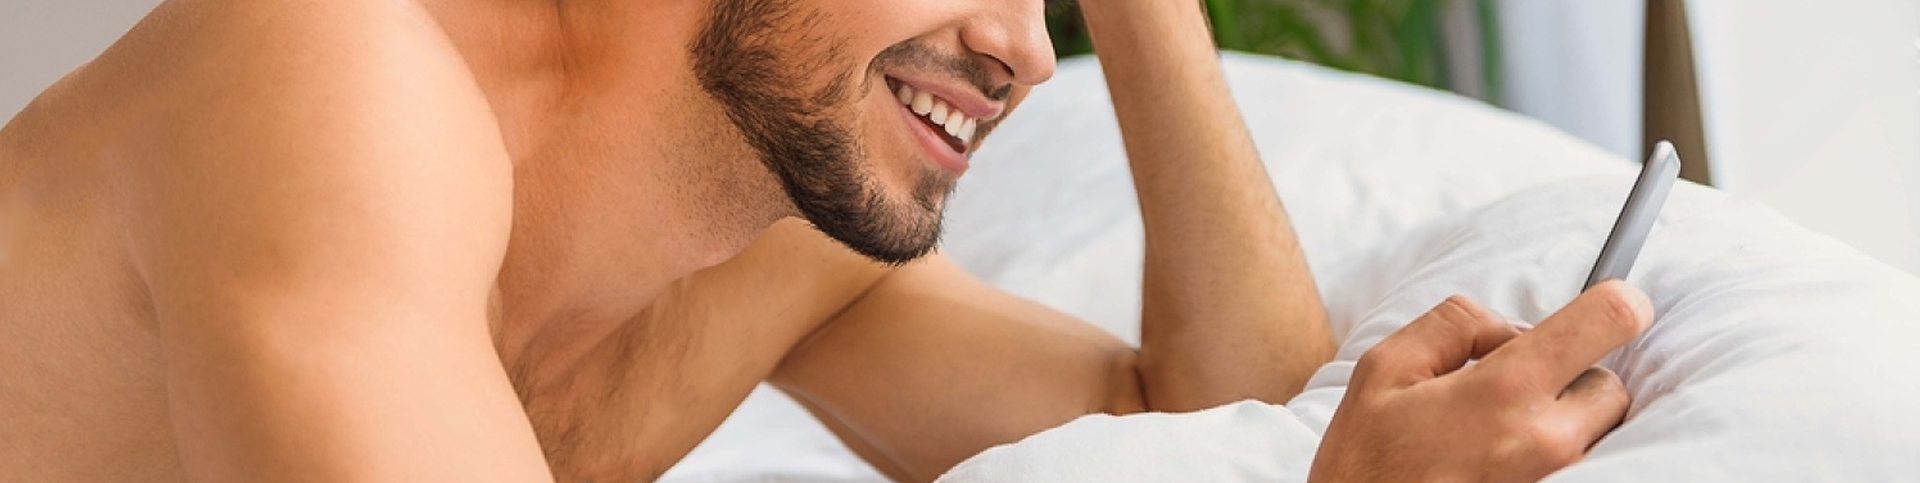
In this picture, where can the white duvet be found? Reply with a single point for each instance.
(1777, 354)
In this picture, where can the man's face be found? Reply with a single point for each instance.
(867, 110)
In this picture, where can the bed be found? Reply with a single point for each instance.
(1778, 354)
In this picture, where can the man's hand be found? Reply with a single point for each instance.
(1533, 403)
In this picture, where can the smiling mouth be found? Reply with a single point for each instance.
(937, 114)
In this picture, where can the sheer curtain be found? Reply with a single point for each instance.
(1576, 65)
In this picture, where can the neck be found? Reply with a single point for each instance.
(623, 179)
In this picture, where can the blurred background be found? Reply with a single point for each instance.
(1812, 107)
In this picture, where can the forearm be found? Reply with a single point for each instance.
(1229, 308)
(931, 366)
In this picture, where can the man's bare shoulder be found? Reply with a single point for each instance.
(192, 47)
(317, 175)
(345, 129)
(211, 59)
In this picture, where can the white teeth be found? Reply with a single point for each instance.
(954, 118)
(922, 103)
(954, 122)
(939, 114)
(953, 128)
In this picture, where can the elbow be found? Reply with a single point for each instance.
(1183, 384)
(1298, 369)
(1125, 393)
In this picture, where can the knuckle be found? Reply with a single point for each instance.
(1460, 310)
(1462, 317)
(1608, 381)
(1543, 443)
(1381, 358)
(1556, 447)
(1457, 301)
(1510, 450)
(1613, 394)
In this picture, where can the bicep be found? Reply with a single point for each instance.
(932, 366)
(320, 249)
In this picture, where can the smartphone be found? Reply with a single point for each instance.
(1636, 218)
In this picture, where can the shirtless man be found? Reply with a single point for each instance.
(536, 240)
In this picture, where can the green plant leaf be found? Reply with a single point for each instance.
(1398, 39)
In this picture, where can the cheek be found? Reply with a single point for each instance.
(890, 151)
(877, 24)
(887, 144)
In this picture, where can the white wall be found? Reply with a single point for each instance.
(1812, 107)
(42, 40)
(1815, 106)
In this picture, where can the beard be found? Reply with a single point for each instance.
(755, 57)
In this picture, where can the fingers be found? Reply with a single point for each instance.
(1593, 405)
(1438, 342)
(1561, 348)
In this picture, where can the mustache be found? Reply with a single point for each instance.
(918, 55)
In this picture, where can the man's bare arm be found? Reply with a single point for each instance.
(319, 211)
(1229, 309)
(931, 366)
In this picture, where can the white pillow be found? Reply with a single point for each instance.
(1780, 354)
(1777, 354)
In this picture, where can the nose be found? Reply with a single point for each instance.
(1014, 34)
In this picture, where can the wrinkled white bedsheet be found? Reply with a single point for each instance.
(1778, 355)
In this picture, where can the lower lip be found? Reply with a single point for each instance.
(934, 143)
